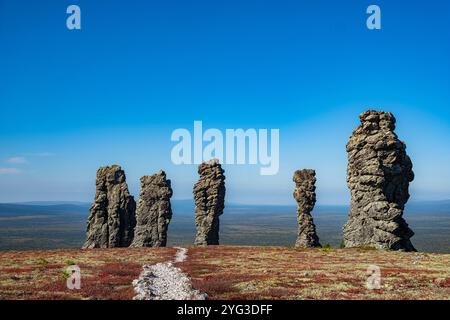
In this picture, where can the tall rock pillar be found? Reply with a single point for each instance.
(378, 176)
(209, 196)
(112, 215)
(153, 212)
(305, 195)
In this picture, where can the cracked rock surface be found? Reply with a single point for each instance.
(209, 196)
(111, 220)
(153, 212)
(378, 175)
(305, 195)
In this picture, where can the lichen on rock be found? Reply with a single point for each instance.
(112, 215)
(378, 176)
(153, 212)
(209, 196)
(305, 195)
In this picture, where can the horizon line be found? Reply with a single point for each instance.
(29, 202)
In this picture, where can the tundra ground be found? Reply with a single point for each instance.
(225, 272)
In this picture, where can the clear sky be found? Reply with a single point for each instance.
(113, 92)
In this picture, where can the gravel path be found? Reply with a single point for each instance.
(164, 281)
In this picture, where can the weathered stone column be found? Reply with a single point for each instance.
(153, 212)
(209, 196)
(305, 195)
(112, 215)
(378, 175)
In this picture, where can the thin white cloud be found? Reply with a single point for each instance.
(17, 160)
(41, 154)
(10, 171)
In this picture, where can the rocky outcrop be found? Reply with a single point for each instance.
(209, 196)
(153, 212)
(305, 195)
(378, 175)
(112, 215)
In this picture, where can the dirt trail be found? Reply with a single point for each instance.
(164, 281)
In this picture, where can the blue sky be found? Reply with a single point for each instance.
(71, 101)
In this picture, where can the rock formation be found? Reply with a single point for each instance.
(112, 215)
(153, 212)
(209, 195)
(305, 195)
(378, 175)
